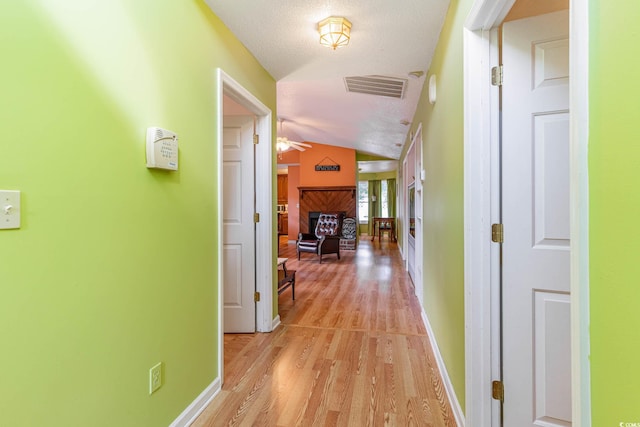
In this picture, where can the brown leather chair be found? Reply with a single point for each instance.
(326, 239)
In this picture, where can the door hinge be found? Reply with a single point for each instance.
(256, 296)
(497, 74)
(256, 139)
(497, 233)
(497, 391)
(256, 217)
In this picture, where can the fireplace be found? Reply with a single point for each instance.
(313, 220)
(316, 200)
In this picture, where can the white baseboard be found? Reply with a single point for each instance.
(275, 323)
(448, 386)
(189, 415)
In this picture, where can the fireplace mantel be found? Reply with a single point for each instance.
(341, 188)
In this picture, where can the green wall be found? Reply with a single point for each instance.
(364, 228)
(114, 268)
(443, 207)
(614, 179)
(379, 175)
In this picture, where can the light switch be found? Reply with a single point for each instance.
(9, 209)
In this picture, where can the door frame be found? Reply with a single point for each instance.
(404, 209)
(417, 146)
(481, 206)
(265, 261)
(409, 178)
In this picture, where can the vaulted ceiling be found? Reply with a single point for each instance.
(393, 40)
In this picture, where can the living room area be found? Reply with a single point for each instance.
(356, 187)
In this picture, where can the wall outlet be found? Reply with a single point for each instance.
(155, 378)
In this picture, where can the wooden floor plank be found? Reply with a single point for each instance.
(351, 350)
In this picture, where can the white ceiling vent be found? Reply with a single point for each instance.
(377, 85)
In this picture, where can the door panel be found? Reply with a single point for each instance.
(535, 211)
(238, 225)
(551, 179)
(552, 314)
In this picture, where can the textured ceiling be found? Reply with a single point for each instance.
(388, 38)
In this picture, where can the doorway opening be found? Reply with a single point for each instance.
(264, 252)
(481, 41)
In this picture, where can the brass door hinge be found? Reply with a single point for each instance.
(497, 233)
(256, 296)
(497, 75)
(256, 217)
(497, 390)
(256, 139)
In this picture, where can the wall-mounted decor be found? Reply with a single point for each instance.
(327, 167)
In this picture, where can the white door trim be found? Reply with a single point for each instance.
(404, 214)
(481, 133)
(480, 265)
(419, 210)
(265, 262)
(579, 107)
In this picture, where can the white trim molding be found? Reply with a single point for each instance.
(265, 258)
(189, 415)
(275, 323)
(482, 304)
(481, 259)
(580, 311)
(446, 381)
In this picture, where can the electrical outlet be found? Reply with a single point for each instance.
(155, 378)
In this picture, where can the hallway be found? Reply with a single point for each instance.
(352, 350)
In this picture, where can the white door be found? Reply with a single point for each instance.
(419, 243)
(411, 240)
(410, 174)
(535, 209)
(239, 228)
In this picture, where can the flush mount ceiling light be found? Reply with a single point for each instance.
(335, 32)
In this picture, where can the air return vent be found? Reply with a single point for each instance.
(376, 85)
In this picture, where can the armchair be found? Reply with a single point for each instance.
(326, 239)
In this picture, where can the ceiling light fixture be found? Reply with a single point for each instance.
(335, 32)
(284, 144)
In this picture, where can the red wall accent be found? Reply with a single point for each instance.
(305, 174)
(294, 200)
(288, 157)
(327, 154)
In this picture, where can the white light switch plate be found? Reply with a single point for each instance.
(9, 209)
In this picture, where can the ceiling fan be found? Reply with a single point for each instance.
(284, 144)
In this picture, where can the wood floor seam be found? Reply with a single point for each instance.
(353, 329)
(351, 350)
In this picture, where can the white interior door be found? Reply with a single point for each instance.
(419, 243)
(410, 174)
(239, 228)
(535, 185)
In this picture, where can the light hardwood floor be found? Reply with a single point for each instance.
(351, 351)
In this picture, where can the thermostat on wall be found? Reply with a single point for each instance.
(162, 149)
